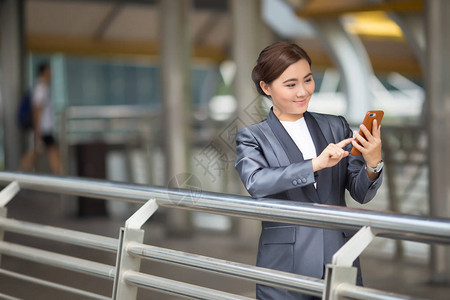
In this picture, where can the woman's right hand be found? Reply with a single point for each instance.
(331, 155)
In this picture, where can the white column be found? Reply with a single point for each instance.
(175, 68)
(247, 41)
(438, 101)
(12, 78)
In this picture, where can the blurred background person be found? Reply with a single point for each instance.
(44, 140)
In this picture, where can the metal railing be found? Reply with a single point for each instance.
(339, 281)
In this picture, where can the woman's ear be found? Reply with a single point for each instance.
(265, 87)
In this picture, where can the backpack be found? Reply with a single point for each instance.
(25, 112)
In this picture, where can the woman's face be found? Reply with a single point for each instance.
(291, 91)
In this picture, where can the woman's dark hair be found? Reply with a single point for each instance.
(273, 60)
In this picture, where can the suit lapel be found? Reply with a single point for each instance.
(293, 153)
(319, 130)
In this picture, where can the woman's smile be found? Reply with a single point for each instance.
(301, 102)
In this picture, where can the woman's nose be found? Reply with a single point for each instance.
(301, 91)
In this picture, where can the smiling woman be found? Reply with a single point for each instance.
(301, 156)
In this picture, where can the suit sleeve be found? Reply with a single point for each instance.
(361, 188)
(262, 180)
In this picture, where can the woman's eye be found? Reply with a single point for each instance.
(291, 85)
(309, 79)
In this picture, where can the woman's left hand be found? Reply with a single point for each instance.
(370, 146)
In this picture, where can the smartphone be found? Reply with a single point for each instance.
(368, 122)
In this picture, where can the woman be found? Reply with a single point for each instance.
(301, 156)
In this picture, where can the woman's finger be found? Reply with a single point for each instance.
(362, 141)
(359, 147)
(366, 132)
(376, 129)
(344, 143)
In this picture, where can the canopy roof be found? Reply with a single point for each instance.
(132, 28)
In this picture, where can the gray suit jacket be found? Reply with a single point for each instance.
(271, 165)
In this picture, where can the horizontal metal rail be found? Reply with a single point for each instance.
(356, 292)
(60, 234)
(307, 285)
(407, 227)
(178, 288)
(7, 297)
(109, 112)
(58, 260)
(53, 285)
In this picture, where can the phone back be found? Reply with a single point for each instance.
(368, 122)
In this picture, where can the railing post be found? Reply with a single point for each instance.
(5, 196)
(8, 193)
(132, 232)
(341, 269)
(334, 276)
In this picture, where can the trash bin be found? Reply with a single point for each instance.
(91, 163)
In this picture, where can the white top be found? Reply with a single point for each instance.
(298, 130)
(41, 98)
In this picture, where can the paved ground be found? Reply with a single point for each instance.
(410, 278)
